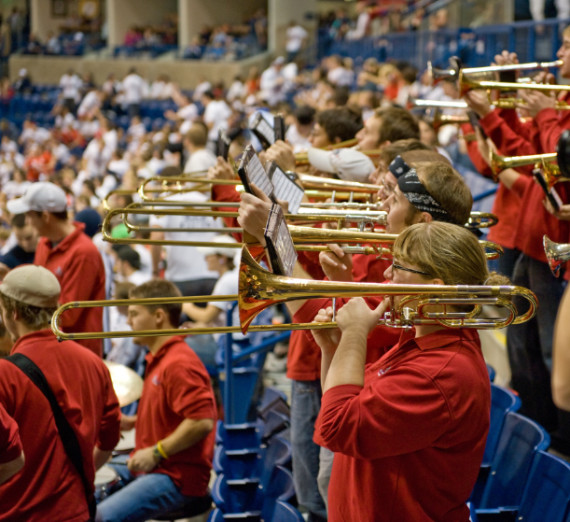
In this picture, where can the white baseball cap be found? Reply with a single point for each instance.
(348, 164)
(40, 196)
(223, 251)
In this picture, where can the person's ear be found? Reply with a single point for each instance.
(425, 217)
(160, 316)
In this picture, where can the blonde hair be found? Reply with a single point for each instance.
(447, 252)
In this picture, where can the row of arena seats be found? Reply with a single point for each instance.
(252, 462)
(518, 479)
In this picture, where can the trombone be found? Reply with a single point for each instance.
(259, 289)
(556, 254)
(306, 239)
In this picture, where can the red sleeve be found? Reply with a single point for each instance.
(230, 194)
(474, 154)
(399, 412)
(110, 428)
(507, 141)
(551, 127)
(10, 443)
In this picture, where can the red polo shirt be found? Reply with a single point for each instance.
(48, 487)
(409, 443)
(304, 357)
(78, 266)
(515, 139)
(10, 443)
(177, 387)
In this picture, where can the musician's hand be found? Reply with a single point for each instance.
(326, 339)
(128, 422)
(356, 314)
(253, 213)
(336, 263)
(535, 101)
(506, 58)
(221, 170)
(478, 102)
(142, 461)
(282, 154)
(563, 213)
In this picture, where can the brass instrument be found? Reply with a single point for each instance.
(259, 289)
(303, 237)
(556, 254)
(484, 77)
(436, 118)
(499, 163)
(317, 183)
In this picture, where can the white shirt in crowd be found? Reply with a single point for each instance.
(70, 86)
(134, 89)
(186, 263)
(296, 35)
(200, 161)
(216, 117)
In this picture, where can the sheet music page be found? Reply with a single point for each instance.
(251, 170)
(279, 244)
(258, 176)
(285, 189)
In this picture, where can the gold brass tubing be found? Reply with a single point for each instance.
(499, 163)
(259, 289)
(482, 220)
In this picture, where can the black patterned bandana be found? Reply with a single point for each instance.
(415, 192)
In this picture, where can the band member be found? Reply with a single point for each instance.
(49, 487)
(172, 460)
(529, 345)
(408, 430)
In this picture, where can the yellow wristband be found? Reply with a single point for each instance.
(161, 450)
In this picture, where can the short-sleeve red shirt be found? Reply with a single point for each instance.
(177, 387)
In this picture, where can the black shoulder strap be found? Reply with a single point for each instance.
(68, 436)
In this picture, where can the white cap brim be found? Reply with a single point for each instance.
(18, 206)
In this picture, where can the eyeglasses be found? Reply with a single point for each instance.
(406, 269)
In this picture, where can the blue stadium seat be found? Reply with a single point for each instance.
(492, 373)
(520, 439)
(546, 495)
(502, 402)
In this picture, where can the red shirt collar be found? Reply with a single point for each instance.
(163, 349)
(438, 339)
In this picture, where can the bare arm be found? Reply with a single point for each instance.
(156, 252)
(101, 457)
(561, 355)
(201, 315)
(188, 433)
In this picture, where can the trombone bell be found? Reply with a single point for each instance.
(556, 254)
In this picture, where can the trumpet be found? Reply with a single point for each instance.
(483, 77)
(436, 118)
(552, 173)
(260, 289)
(456, 69)
(556, 254)
(499, 163)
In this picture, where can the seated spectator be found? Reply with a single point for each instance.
(24, 251)
(23, 83)
(53, 45)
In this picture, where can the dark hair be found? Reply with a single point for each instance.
(130, 255)
(160, 288)
(397, 124)
(341, 122)
(18, 220)
(305, 114)
(389, 152)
